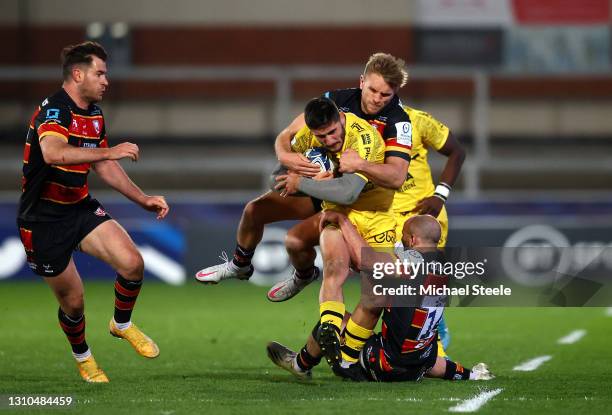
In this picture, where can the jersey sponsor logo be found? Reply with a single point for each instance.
(366, 139)
(96, 126)
(75, 124)
(387, 236)
(357, 127)
(404, 133)
(52, 114)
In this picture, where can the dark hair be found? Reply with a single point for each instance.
(320, 112)
(80, 54)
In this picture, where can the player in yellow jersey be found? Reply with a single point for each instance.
(366, 205)
(418, 195)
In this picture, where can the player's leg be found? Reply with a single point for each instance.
(300, 243)
(336, 260)
(358, 330)
(110, 243)
(447, 369)
(267, 208)
(68, 289)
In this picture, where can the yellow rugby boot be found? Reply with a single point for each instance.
(91, 372)
(142, 343)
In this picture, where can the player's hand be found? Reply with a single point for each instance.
(429, 206)
(299, 164)
(324, 175)
(287, 184)
(350, 162)
(124, 150)
(330, 217)
(156, 204)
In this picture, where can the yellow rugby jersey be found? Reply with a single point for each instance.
(427, 132)
(366, 140)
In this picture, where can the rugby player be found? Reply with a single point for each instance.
(377, 102)
(57, 215)
(405, 349)
(415, 195)
(367, 205)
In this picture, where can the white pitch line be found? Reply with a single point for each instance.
(475, 403)
(573, 337)
(609, 311)
(532, 364)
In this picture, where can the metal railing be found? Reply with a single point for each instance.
(284, 76)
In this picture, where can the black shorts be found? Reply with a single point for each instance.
(49, 245)
(411, 369)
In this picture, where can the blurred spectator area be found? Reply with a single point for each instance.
(204, 90)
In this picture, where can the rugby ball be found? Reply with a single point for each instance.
(319, 156)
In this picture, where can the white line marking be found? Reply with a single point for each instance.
(532, 364)
(573, 337)
(475, 403)
(609, 311)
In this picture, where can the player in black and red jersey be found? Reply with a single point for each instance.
(405, 349)
(67, 138)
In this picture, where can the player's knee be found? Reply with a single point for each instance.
(250, 211)
(132, 267)
(294, 243)
(73, 304)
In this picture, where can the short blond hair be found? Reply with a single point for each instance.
(393, 70)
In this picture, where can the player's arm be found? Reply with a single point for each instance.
(56, 150)
(111, 173)
(342, 190)
(391, 174)
(288, 158)
(455, 154)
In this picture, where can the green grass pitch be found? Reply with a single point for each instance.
(212, 341)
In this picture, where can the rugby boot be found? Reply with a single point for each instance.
(91, 372)
(289, 288)
(329, 342)
(224, 271)
(142, 343)
(481, 371)
(284, 358)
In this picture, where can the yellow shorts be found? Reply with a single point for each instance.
(376, 227)
(442, 218)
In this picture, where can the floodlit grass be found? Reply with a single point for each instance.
(213, 360)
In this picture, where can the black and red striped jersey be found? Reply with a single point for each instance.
(392, 122)
(51, 192)
(408, 330)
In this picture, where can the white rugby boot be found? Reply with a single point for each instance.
(284, 358)
(224, 271)
(289, 288)
(481, 371)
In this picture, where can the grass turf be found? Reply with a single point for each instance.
(212, 341)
